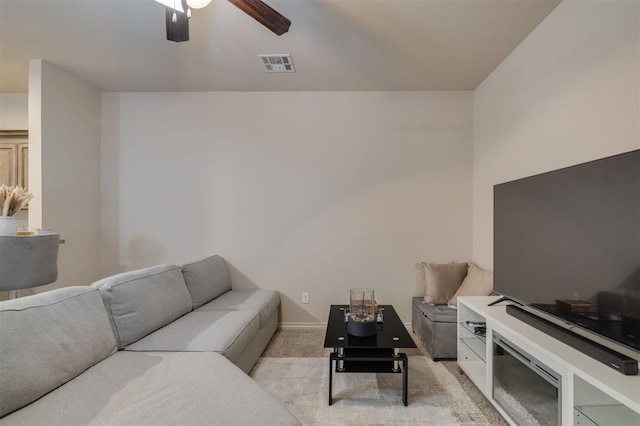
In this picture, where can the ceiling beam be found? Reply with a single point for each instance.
(264, 14)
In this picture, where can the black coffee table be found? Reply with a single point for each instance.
(374, 354)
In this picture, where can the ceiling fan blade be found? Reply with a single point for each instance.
(264, 14)
(179, 30)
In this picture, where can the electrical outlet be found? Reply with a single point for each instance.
(305, 297)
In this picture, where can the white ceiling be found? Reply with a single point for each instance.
(120, 45)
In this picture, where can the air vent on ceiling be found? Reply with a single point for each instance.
(277, 63)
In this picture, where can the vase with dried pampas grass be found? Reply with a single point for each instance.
(12, 199)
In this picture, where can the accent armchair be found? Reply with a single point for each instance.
(28, 261)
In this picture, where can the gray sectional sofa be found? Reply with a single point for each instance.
(165, 345)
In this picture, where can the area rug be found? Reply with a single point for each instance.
(435, 396)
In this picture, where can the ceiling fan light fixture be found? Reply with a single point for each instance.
(198, 4)
(172, 4)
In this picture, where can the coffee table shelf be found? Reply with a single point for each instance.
(367, 361)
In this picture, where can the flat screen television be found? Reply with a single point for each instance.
(567, 247)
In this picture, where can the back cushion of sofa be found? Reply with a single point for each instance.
(142, 301)
(206, 279)
(48, 339)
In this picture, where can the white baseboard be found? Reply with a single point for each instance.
(302, 325)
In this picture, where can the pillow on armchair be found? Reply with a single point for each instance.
(438, 282)
(419, 284)
(478, 282)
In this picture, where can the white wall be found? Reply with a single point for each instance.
(298, 191)
(64, 165)
(13, 111)
(568, 94)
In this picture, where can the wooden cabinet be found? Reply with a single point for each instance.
(23, 165)
(14, 158)
(8, 163)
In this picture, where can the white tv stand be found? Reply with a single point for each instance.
(591, 392)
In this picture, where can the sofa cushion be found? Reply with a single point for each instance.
(154, 388)
(442, 280)
(419, 282)
(226, 332)
(478, 282)
(206, 279)
(437, 313)
(264, 302)
(142, 301)
(48, 339)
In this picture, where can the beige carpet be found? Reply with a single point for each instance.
(308, 343)
(435, 396)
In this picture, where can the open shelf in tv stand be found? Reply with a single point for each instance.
(590, 390)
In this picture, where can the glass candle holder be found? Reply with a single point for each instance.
(362, 315)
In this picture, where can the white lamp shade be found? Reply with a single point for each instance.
(198, 4)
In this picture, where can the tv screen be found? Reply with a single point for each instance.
(567, 243)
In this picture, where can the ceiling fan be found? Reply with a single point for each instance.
(178, 13)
